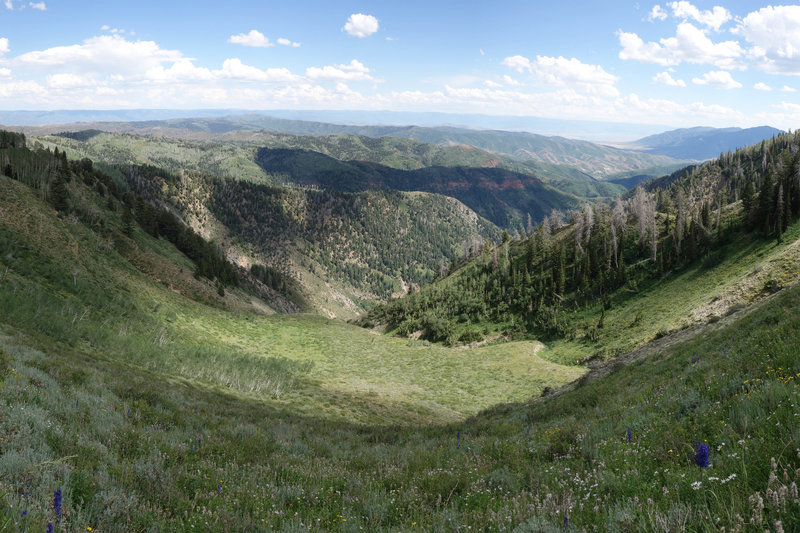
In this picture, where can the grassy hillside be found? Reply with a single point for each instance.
(142, 406)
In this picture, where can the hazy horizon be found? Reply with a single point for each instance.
(672, 64)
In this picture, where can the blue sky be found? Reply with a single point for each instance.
(675, 63)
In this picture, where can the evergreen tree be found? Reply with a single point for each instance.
(765, 205)
(748, 198)
(58, 193)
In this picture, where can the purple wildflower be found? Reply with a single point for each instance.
(50, 527)
(57, 503)
(566, 522)
(701, 459)
(24, 514)
(630, 436)
(458, 440)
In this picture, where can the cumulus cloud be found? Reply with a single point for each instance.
(9, 4)
(353, 71)
(179, 71)
(5, 72)
(508, 80)
(106, 54)
(761, 86)
(774, 33)
(4, 49)
(38, 5)
(713, 18)
(690, 44)
(68, 81)
(235, 69)
(720, 79)
(519, 63)
(286, 42)
(492, 84)
(787, 89)
(361, 25)
(562, 72)
(252, 38)
(657, 13)
(664, 78)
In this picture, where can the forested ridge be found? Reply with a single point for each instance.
(67, 185)
(372, 241)
(532, 285)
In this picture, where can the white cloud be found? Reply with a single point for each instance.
(664, 78)
(354, 71)
(105, 27)
(657, 13)
(68, 81)
(286, 42)
(4, 49)
(774, 33)
(713, 18)
(720, 79)
(5, 72)
(252, 38)
(38, 5)
(690, 44)
(492, 84)
(235, 69)
(508, 80)
(562, 72)
(360, 25)
(9, 4)
(107, 54)
(26, 91)
(179, 71)
(480, 50)
(787, 89)
(517, 62)
(761, 86)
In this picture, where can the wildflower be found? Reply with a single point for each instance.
(458, 439)
(630, 437)
(57, 503)
(24, 514)
(701, 459)
(696, 485)
(566, 522)
(50, 527)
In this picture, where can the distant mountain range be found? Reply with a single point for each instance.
(580, 129)
(702, 143)
(596, 160)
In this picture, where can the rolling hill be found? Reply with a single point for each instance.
(594, 159)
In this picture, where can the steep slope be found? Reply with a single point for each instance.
(702, 143)
(499, 195)
(687, 253)
(346, 250)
